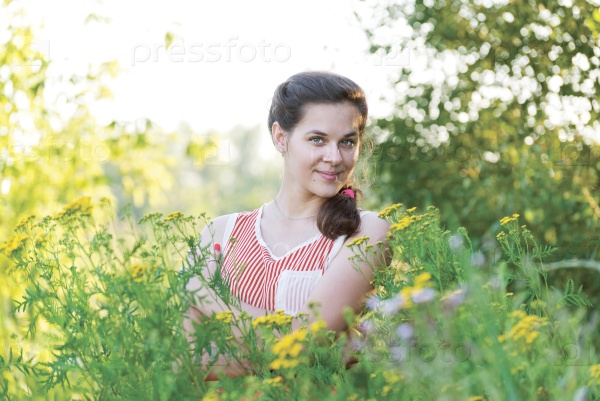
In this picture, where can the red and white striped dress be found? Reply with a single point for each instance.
(270, 282)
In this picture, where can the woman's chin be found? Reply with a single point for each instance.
(328, 192)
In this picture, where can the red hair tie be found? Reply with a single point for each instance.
(348, 192)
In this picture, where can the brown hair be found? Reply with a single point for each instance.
(338, 215)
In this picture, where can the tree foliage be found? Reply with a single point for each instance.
(496, 113)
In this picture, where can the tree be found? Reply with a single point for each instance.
(497, 113)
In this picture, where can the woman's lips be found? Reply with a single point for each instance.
(328, 177)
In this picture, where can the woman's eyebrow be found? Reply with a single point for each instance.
(317, 132)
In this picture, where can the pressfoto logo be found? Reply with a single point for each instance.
(36, 52)
(53, 148)
(211, 151)
(230, 50)
(392, 53)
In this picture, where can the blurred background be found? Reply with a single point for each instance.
(482, 109)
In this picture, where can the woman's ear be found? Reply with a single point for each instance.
(279, 137)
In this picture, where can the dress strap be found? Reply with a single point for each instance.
(228, 230)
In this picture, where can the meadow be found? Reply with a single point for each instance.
(101, 319)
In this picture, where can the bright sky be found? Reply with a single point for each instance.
(224, 68)
(227, 57)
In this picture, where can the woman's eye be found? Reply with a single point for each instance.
(347, 142)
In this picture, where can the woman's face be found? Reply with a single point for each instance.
(322, 150)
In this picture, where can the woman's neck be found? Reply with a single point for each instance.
(293, 210)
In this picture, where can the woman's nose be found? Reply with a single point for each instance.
(333, 155)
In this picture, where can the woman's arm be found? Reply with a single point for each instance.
(346, 282)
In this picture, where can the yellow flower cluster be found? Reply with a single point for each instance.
(274, 380)
(174, 216)
(278, 319)
(405, 222)
(526, 328)
(421, 282)
(477, 398)
(318, 325)
(392, 377)
(358, 241)
(387, 211)
(104, 201)
(595, 375)
(81, 206)
(519, 368)
(225, 317)
(13, 244)
(506, 220)
(288, 349)
(24, 221)
(138, 270)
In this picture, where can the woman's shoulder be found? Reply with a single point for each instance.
(220, 220)
(219, 224)
(216, 227)
(371, 225)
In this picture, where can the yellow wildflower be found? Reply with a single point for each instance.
(174, 216)
(279, 319)
(225, 317)
(404, 223)
(24, 221)
(387, 211)
(422, 280)
(318, 325)
(210, 397)
(288, 349)
(138, 270)
(13, 244)
(506, 220)
(477, 398)
(595, 375)
(517, 369)
(412, 209)
(357, 241)
(274, 380)
(392, 377)
(526, 330)
(81, 206)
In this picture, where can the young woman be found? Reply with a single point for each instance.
(293, 248)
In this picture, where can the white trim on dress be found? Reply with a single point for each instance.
(228, 230)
